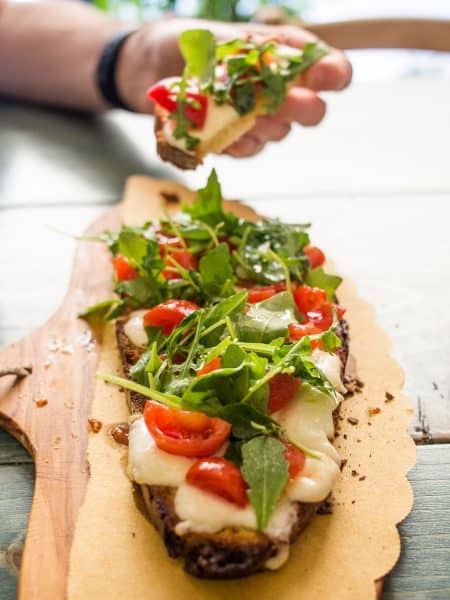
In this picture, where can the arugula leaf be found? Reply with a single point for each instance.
(267, 320)
(245, 97)
(132, 245)
(207, 206)
(265, 469)
(198, 47)
(140, 289)
(318, 278)
(247, 422)
(97, 312)
(149, 362)
(216, 272)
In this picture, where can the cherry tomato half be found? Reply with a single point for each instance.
(169, 314)
(220, 477)
(309, 298)
(184, 433)
(167, 242)
(283, 388)
(184, 258)
(196, 103)
(122, 268)
(322, 318)
(295, 458)
(315, 256)
(212, 365)
(258, 294)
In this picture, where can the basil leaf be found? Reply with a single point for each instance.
(318, 278)
(216, 272)
(267, 320)
(198, 47)
(265, 469)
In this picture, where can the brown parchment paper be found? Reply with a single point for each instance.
(116, 554)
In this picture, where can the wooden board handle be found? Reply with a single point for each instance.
(63, 356)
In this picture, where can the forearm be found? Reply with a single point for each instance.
(49, 52)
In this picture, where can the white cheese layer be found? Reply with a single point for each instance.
(330, 365)
(203, 512)
(134, 329)
(308, 421)
(150, 465)
(315, 481)
(217, 118)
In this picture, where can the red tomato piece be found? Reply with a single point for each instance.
(220, 477)
(322, 318)
(169, 314)
(309, 298)
(315, 256)
(161, 94)
(184, 258)
(212, 365)
(166, 242)
(295, 458)
(196, 103)
(258, 294)
(183, 432)
(299, 330)
(196, 108)
(283, 388)
(124, 271)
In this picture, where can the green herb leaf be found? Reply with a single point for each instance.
(265, 469)
(247, 422)
(318, 278)
(198, 48)
(216, 272)
(267, 320)
(207, 206)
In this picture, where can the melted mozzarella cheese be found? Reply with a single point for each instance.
(203, 512)
(134, 329)
(217, 118)
(331, 366)
(315, 481)
(308, 421)
(275, 562)
(150, 465)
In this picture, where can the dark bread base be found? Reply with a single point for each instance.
(169, 153)
(232, 552)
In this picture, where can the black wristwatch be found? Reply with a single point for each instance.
(106, 70)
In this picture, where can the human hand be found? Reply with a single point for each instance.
(152, 54)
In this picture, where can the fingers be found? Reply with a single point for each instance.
(302, 106)
(271, 129)
(333, 72)
(247, 145)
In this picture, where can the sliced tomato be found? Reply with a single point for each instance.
(283, 388)
(212, 365)
(184, 433)
(315, 256)
(184, 258)
(124, 271)
(322, 318)
(196, 103)
(169, 314)
(258, 294)
(309, 298)
(299, 330)
(196, 108)
(164, 96)
(295, 458)
(167, 242)
(220, 477)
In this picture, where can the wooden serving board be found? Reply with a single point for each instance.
(48, 411)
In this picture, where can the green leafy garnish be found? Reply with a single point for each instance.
(265, 469)
(198, 49)
(318, 278)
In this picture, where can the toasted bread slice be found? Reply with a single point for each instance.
(231, 552)
(224, 138)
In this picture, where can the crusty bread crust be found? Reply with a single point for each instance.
(232, 552)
